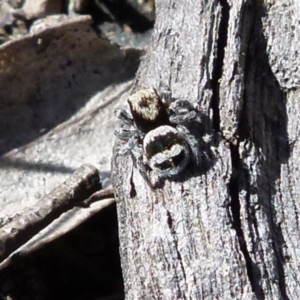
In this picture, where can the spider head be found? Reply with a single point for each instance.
(166, 151)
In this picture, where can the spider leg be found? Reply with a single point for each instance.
(132, 147)
(124, 116)
(142, 168)
(140, 164)
(193, 144)
(124, 133)
(182, 112)
(166, 95)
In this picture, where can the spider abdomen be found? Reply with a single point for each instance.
(147, 110)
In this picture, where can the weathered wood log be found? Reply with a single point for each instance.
(16, 231)
(230, 228)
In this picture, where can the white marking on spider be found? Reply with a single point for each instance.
(156, 134)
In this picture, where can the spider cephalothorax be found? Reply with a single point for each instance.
(166, 150)
(156, 133)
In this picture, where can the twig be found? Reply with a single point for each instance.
(82, 183)
(63, 224)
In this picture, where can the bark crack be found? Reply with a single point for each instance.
(179, 257)
(234, 186)
(218, 64)
(235, 158)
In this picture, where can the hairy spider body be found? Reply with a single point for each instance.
(147, 109)
(156, 134)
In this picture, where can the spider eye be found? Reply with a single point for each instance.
(164, 166)
(179, 158)
(171, 162)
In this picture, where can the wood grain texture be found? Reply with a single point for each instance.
(18, 230)
(56, 107)
(230, 229)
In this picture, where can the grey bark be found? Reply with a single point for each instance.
(231, 230)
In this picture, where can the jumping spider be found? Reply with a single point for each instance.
(156, 133)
